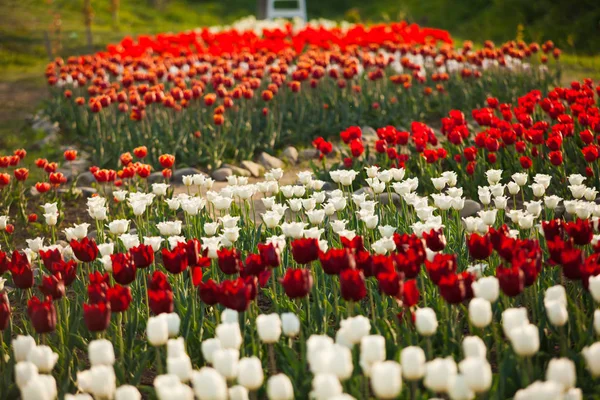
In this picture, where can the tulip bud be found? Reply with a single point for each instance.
(486, 288)
(325, 386)
(562, 371)
(40, 387)
(513, 318)
(127, 392)
(473, 346)
(556, 312)
(440, 374)
(480, 312)
(525, 340)
(250, 373)
(173, 323)
(229, 316)
(101, 352)
(597, 322)
(22, 345)
(209, 346)
(594, 287)
(180, 366)
(268, 327)
(477, 373)
(43, 357)
(229, 335)
(372, 349)
(356, 328)
(459, 389)
(386, 379)
(24, 372)
(592, 358)
(225, 361)
(412, 359)
(100, 381)
(279, 387)
(157, 330)
(238, 392)
(290, 324)
(209, 384)
(175, 348)
(426, 321)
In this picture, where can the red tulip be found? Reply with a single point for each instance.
(70, 155)
(352, 284)
(66, 269)
(511, 280)
(480, 247)
(571, 260)
(452, 288)
(20, 270)
(85, 249)
(297, 282)
(4, 312)
(209, 292)
(442, 265)
(335, 261)
(53, 286)
(552, 229)
(123, 268)
(119, 298)
(160, 301)
(21, 174)
(193, 249)
(235, 294)
(435, 239)
(356, 243)
(391, 283)
(158, 281)
(591, 267)
(410, 293)
(229, 261)
(581, 231)
(3, 262)
(166, 160)
(364, 262)
(96, 316)
(305, 251)
(140, 152)
(50, 257)
(269, 254)
(42, 314)
(143, 255)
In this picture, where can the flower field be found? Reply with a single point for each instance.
(452, 260)
(212, 95)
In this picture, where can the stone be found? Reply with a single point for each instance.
(329, 186)
(384, 198)
(87, 191)
(45, 141)
(369, 134)
(85, 179)
(290, 154)
(308, 154)
(470, 209)
(156, 177)
(269, 162)
(363, 190)
(237, 171)
(256, 170)
(178, 174)
(221, 174)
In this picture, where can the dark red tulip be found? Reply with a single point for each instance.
(42, 314)
(159, 281)
(409, 263)
(556, 246)
(442, 265)
(176, 260)
(382, 264)
(356, 243)
(4, 311)
(480, 247)
(3, 262)
(581, 231)
(209, 292)
(552, 229)
(305, 250)
(391, 283)
(410, 293)
(160, 301)
(468, 279)
(364, 262)
(253, 265)
(252, 282)
(142, 255)
(85, 249)
(229, 261)
(235, 294)
(452, 288)
(591, 267)
(435, 239)
(123, 268)
(21, 271)
(96, 316)
(193, 249)
(352, 284)
(335, 261)
(50, 257)
(66, 269)
(297, 282)
(269, 255)
(53, 286)
(498, 236)
(511, 280)
(571, 261)
(119, 298)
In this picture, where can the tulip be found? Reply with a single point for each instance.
(477, 373)
(160, 301)
(480, 247)
(25, 371)
(208, 384)
(229, 335)
(4, 309)
(235, 294)
(386, 379)
(297, 283)
(357, 328)
(97, 316)
(513, 318)
(594, 287)
(42, 314)
(225, 361)
(238, 392)
(142, 255)
(325, 386)
(597, 322)
(250, 373)
(372, 349)
(180, 366)
(440, 374)
(525, 340)
(157, 330)
(279, 387)
(290, 324)
(480, 312)
(41, 387)
(459, 389)
(592, 358)
(412, 359)
(473, 346)
(556, 312)
(268, 327)
(85, 249)
(562, 371)
(127, 392)
(352, 285)
(43, 358)
(229, 261)
(486, 288)
(101, 352)
(22, 345)
(209, 346)
(53, 286)
(21, 270)
(169, 387)
(176, 260)
(119, 298)
(123, 268)
(426, 321)
(100, 381)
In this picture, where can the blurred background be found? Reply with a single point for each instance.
(34, 31)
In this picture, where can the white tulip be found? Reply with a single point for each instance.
(209, 346)
(592, 358)
(238, 392)
(372, 348)
(279, 387)
(357, 328)
(209, 384)
(459, 389)
(480, 312)
(43, 357)
(473, 346)
(225, 361)
(250, 373)
(268, 327)
(440, 374)
(325, 386)
(42, 387)
(157, 330)
(413, 360)
(180, 366)
(513, 318)
(597, 322)
(24, 372)
(426, 321)
(127, 392)
(22, 345)
(386, 379)
(477, 373)
(487, 288)
(118, 226)
(290, 324)
(594, 287)
(556, 312)
(229, 335)
(562, 371)
(525, 340)
(101, 352)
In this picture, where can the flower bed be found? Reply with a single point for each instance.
(207, 96)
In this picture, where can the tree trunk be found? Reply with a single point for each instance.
(261, 9)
